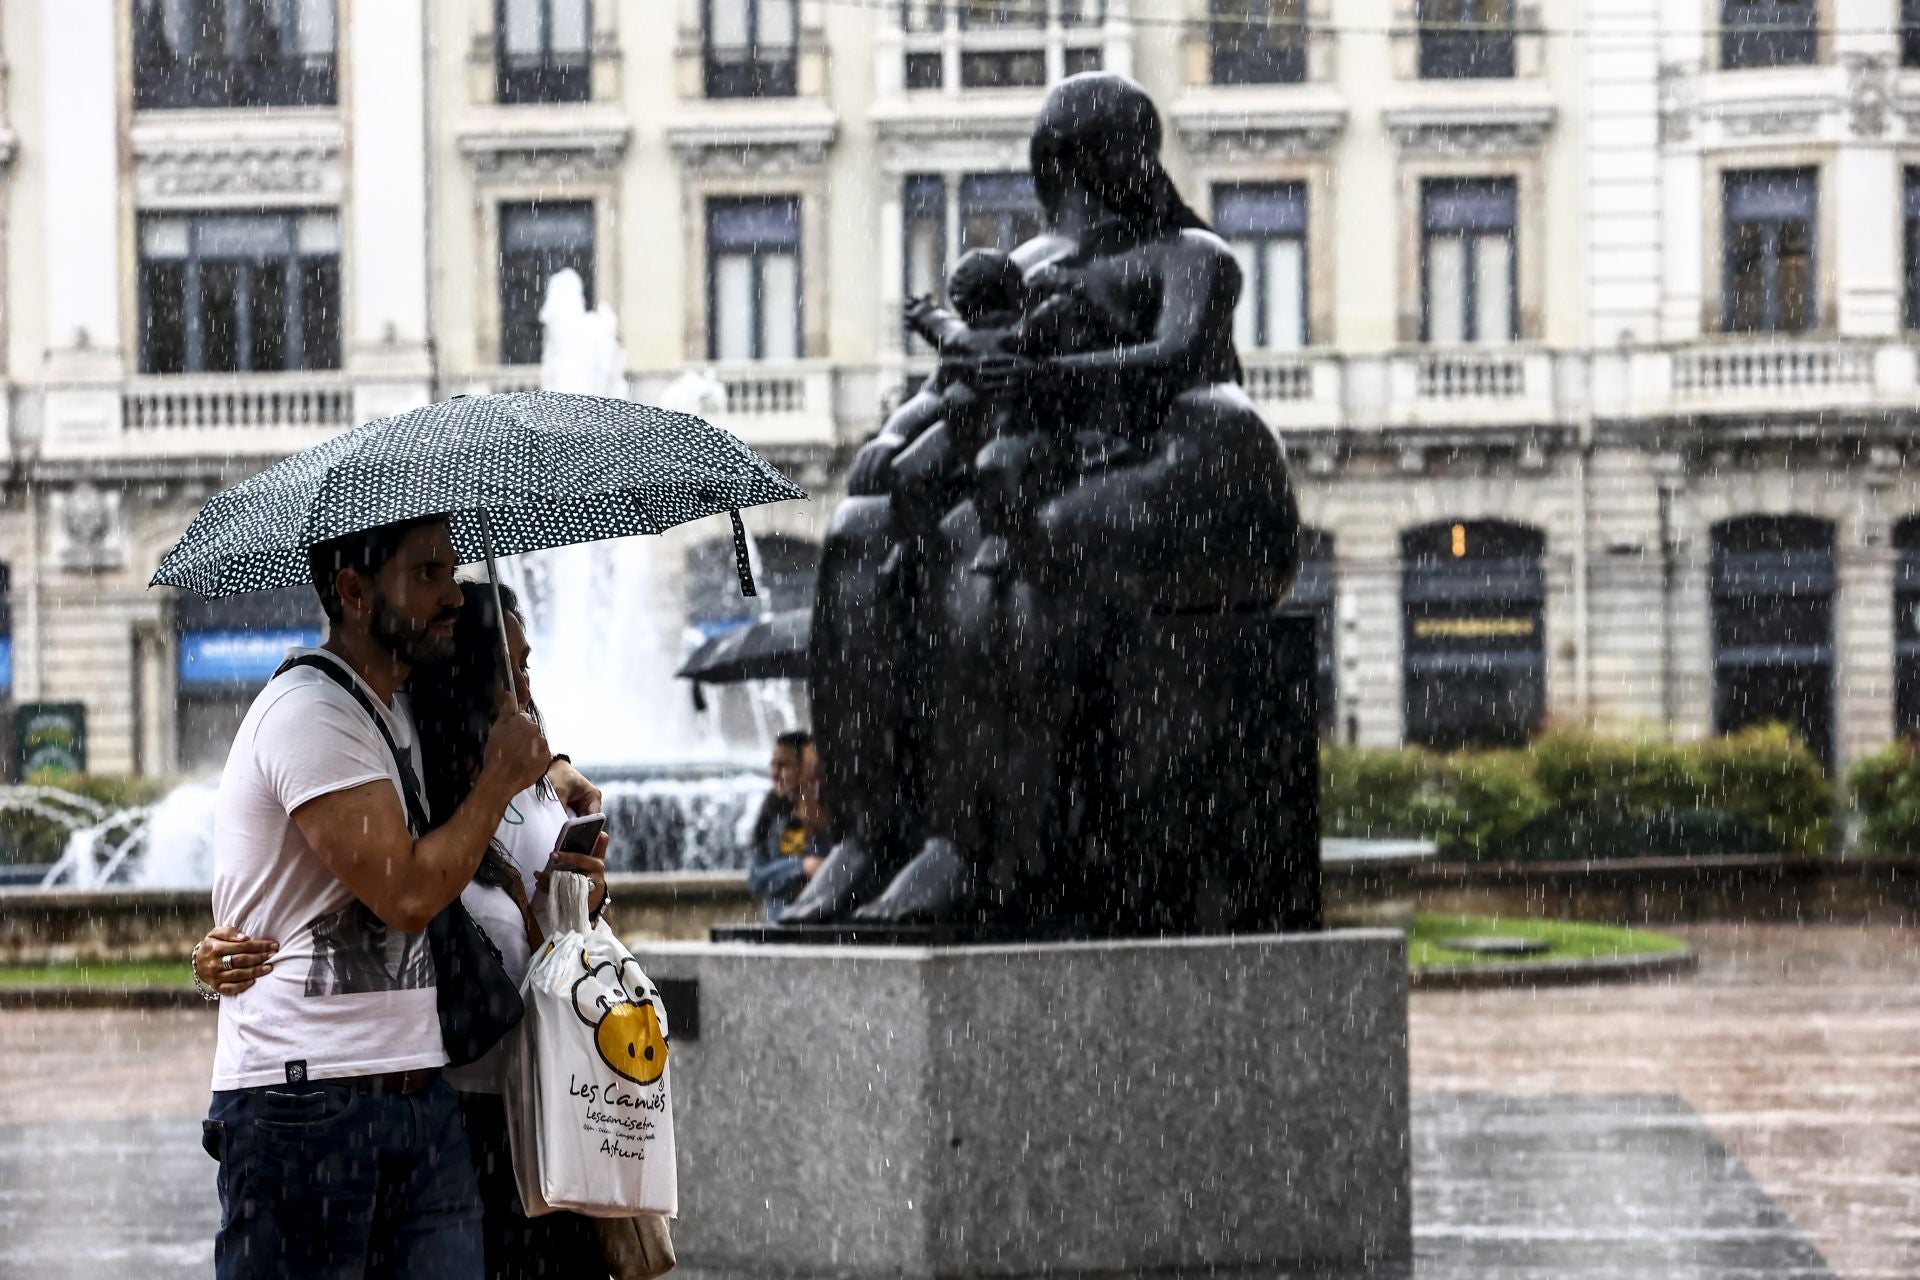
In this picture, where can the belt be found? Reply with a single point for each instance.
(402, 1082)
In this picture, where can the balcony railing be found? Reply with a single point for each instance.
(521, 79)
(1784, 368)
(254, 403)
(1471, 376)
(751, 71)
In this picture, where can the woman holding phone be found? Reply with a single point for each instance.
(454, 704)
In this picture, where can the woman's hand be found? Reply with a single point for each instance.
(251, 960)
(578, 795)
(591, 865)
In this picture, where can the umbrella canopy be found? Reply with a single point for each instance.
(512, 473)
(772, 647)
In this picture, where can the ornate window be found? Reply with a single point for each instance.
(1768, 33)
(1769, 251)
(999, 44)
(1258, 41)
(543, 51)
(753, 278)
(239, 292)
(538, 240)
(1467, 261)
(233, 53)
(1474, 648)
(1466, 39)
(1266, 227)
(752, 48)
(992, 211)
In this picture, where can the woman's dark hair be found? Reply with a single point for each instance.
(455, 700)
(1103, 129)
(775, 807)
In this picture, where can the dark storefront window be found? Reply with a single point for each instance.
(1466, 39)
(1910, 33)
(1906, 627)
(1769, 248)
(233, 53)
(1768, 33)
(753, 279)
(1910, 234)
(537, 241)
(1259, 41)
(752, 48)
(239, 292)
(1474, 643)
(1773, 582)
(1315, 594)
(543, 51)
(228, 648)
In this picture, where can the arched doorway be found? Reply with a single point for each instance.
(1906, 626)
(1315, 594)
(1474, 656)
(1773, 582)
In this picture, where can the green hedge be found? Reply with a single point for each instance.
(1576, 794)
(1886, 793)
(30, 837)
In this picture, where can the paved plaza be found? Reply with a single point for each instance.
(1755, 1120)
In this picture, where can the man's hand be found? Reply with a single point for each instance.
(810, 866)
(578, 795)
(517, 754)
(252, 960)
(871, 474)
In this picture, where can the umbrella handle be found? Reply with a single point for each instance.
(499, 611)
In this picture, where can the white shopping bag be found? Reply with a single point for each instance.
(589, 1110)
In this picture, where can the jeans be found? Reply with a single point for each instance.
(328, 1180)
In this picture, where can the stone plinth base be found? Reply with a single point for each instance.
(1013, 1110)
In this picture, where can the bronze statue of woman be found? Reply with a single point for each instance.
(967, 721)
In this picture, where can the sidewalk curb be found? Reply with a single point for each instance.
(1555, 973)
(103, 998)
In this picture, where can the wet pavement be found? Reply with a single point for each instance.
(1755, 1120)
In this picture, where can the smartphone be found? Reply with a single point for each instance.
(580, 834)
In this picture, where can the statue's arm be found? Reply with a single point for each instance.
(1200, 283)
(870, 466)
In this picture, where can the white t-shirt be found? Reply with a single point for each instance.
(347, 996)
(527, 833)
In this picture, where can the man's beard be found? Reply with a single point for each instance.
(415, 648)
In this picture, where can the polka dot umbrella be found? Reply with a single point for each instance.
(512, 473)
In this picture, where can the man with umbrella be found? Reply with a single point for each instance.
(340, 1149)
(337, 1140)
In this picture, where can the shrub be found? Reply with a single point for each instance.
(1886, 792)
(1576, 794)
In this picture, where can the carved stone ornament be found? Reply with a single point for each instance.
(88, 533)
(1470, 131)
(1677, 97)
(753, 148)
(520, 154)
(1215, 131)
(1766, 120)
(193, 168)
(1869, 93)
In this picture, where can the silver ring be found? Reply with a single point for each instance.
(226, 962)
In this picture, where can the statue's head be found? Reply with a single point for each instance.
(1101, 131)
(983, 282)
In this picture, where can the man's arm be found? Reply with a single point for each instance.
(361, 833)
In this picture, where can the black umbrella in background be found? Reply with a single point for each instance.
(771, 647)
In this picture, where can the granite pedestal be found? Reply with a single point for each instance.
(1091, 1107)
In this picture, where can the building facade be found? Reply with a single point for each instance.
(1589, 327)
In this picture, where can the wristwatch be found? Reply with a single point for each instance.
(606, 900)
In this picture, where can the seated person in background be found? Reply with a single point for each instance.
(789, 835)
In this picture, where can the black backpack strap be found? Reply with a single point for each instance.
(409, 781)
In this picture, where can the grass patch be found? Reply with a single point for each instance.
(117, 976)
(1568, 940)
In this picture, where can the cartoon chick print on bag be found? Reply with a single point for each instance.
(626, 1031)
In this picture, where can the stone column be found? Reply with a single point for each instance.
(1368, 651)
(1686, 281)
(1863, 621)
(389, 352)
(81, 265)
(1863, 199)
